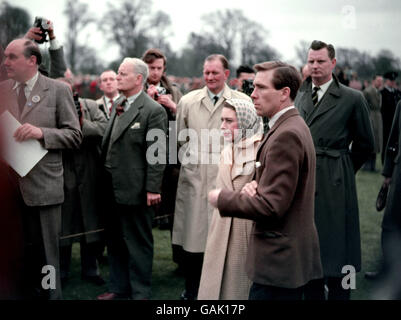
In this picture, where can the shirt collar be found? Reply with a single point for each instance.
(273, 120)
(131, 100)
(29, 84)
(211, 94)
(324, 86)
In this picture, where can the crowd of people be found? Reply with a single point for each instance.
(253, 176)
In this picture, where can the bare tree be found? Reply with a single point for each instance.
(78, 18)
(230, 28)
(302, 51)
(14, 22)
(134, 28)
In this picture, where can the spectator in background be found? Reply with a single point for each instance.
(108, 85)
(390, 97)
(374, 99)
(80, 211)
(243, 73)
(355, 83)
(160, 88)
(305, 72)
(389, 287)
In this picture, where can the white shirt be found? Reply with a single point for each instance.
(212, 95)
(131, 100)
(29, 85)
(108, 103)
(273, 120)
(323, 89)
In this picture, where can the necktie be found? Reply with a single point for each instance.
(111, 106)
(215, 99)
(21, 97)
(315, 99)
(120, 107)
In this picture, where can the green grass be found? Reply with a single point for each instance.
(168, 285)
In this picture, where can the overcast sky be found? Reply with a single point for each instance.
(368, 25)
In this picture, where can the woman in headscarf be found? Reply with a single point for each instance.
(223, 273)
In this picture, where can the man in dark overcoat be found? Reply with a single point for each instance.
(339, 122)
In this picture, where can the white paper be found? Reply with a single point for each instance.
(21, 156)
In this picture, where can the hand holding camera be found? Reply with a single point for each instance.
(78, 107)
(41, 28)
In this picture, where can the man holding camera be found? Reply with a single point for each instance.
(244, 80)
(39, 34)
(159, 87)
(46, 111)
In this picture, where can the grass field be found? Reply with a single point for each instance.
(168, 285)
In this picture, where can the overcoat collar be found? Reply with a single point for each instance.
(328, 101)
(205, 100)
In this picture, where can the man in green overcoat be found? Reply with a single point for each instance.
(339, 121)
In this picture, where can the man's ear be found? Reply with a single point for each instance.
(285, 93)
(226, 73)
(32, 60)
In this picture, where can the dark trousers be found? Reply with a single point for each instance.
(88, 259)
(42, 228)
(390, 273)
(130, 250)
(192, 266)
(370, 164)
(266, 292)
(314, 290)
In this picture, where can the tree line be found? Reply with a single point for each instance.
(134, 27)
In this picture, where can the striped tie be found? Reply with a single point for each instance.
(315, 98)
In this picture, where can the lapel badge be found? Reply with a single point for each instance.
(35, 99)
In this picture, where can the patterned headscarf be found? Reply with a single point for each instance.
(248, 120)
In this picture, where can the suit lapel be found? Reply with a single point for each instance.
(129, 116)
(328, 101)
(37, 96)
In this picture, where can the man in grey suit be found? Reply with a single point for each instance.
(134, 176)
(46, 110)
(339, 122)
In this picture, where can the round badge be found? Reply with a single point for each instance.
(35, 99)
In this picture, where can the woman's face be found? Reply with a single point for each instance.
(229, 124)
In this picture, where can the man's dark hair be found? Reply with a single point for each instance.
(152, 54)
(220, 57)
(244, 69)
(31, 49)
(317, 45)
(284, 75)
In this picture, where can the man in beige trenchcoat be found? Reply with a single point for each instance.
(197, 110)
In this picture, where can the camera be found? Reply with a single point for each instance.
(77, 105)
(160, 91)
(44, 26)
(247, 86)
